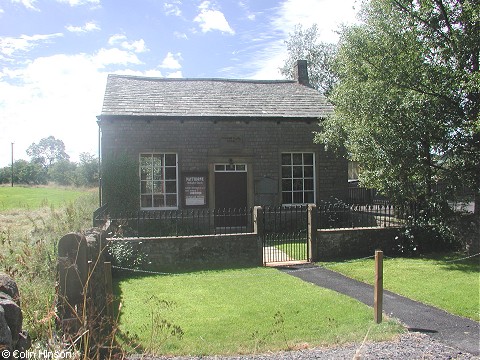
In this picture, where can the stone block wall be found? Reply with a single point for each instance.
(355, 243)
(256, 142)
(198, 252)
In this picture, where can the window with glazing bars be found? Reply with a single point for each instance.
(298, 178)
(158, 181)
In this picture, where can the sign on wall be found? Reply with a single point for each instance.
(195, 189)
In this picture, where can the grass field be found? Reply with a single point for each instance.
(438, 280)
(32, 220)
(239, 311)
(21, 197)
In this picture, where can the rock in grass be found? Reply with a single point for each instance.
(6, 341)
(9, 287)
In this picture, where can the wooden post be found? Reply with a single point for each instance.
(108, 289)
(378, 291)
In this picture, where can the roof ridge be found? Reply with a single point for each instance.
(163, 79)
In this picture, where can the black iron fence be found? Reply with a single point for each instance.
(159, 223)
(277, 221)
(381, 214)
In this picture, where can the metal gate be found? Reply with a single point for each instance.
(285, 236)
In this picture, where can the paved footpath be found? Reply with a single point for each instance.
(455, 331)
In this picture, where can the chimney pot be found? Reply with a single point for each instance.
(301, 73)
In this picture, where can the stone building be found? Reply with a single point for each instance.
(219, 143)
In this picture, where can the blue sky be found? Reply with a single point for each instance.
(55, 54)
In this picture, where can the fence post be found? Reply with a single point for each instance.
(108, 289)
(258, 228)
(378, 291)
(312, 232)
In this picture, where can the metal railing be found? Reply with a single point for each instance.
(341, 215)
(160, 223)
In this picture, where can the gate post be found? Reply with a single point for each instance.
(312, 232)
(258, 228)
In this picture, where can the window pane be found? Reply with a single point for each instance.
(157, 174)
(146, 187)
(297, 159)
(309, 197)
(230, 167)
(286, 159)
(297, 172)
(146, 160)
(298, 184)
(146, 173)
(158, 187)
(308, 171)
(146, 201)
(298, 197)
(170, 173)
(219, 167)
(171, 187)
(286, 172)
(286, 197)
(171, 160)
(308, 184)
(308, 159)
(171, 200)
(158, 201)
(287, 185)
(240, 167)
(157, 160)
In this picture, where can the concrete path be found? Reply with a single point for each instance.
(455, 331)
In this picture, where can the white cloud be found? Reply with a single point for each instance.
(58, 95)
(79, 2)
(11, 45)
(327, 14)
(29, 4)
(137, 46)
(210, 19)
(105, 57)
(89, 26)
(171, 61)
(172, 8)
(180, 35)
(175, 75)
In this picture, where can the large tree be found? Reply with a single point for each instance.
(304, 44)
(47, 151)
(407, 100)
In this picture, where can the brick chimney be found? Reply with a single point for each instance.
(301, 72)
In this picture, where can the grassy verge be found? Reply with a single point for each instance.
(30, 198)
(437, 280)
(28, 239)
(238, 311)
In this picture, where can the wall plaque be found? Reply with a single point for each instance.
(195, 189)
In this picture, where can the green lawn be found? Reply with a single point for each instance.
(452, 286)
(20, 197)
(239, 311)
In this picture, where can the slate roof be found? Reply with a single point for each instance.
(143, 96)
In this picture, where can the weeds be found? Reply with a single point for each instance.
(28, 240)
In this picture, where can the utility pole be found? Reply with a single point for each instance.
(12, 164)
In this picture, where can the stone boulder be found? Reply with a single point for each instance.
(11, 335)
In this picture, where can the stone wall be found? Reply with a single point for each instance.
(259, 143)
(198, 252)
(355, 243)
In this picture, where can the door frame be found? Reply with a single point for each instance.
(248, 161)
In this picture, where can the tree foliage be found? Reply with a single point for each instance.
(303, 44)
(407, 100)
(47, 151)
